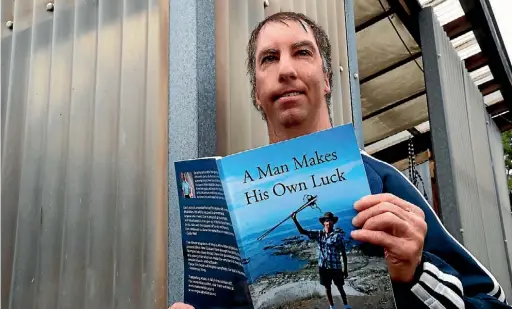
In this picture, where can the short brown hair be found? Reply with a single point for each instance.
(321, 38)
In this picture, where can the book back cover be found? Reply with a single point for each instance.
(213, 276)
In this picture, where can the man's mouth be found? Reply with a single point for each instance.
(289, 94)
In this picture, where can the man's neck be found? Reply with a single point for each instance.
(281, 134)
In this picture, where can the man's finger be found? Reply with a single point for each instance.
(389, 223)
(360, 219)
(181, 306)
(377, 238)
(417, 222)
(372, 200)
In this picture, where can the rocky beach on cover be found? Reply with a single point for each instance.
(367, 285)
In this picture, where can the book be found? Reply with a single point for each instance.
(242, 249)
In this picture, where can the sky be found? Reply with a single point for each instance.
(336, 197)
(501, 10)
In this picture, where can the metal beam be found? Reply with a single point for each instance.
(497, 108)
(393, 105)
(397, 152)
(457, 27)
(408, 12)
(414, 131)
(476, 62)
(489, 87)
(374, 20)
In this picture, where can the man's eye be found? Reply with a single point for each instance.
(269, 58)
(303, 52)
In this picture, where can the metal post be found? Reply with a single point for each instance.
(449, 209)
(192, 109)
(353, 72)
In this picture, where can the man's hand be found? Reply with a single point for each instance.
(396, 225)
(294, 215)
(180, 306)
(345, 274)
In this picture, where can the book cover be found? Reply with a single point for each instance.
(265, 258)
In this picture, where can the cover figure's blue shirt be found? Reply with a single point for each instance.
(448, 276)
(330, 248)
(186, 188)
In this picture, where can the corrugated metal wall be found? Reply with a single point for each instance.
(84, 154)
(239, 125)
(487, 190)
(450, 124)
(464, 169)
(501, 185)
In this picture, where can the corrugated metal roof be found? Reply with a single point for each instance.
(448, 11)
(493, 98)
(424, 127)
(481, 75)
(445, 10)
(386, 42)
(388, 142)
(466, 46)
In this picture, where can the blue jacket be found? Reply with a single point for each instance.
(448, 276)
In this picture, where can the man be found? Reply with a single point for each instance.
(185, 187)
(289, 64)
(330, 251)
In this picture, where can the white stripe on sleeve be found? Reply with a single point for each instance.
(442, 289)
(443, 276)
(426, 298)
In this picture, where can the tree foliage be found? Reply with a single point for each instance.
(506, 138)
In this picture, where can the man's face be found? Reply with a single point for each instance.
(290, 81)
(328, 224)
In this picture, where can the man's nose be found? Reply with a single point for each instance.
(286, 69)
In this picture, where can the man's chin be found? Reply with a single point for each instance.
(292, 118)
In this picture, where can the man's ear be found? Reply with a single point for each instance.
(327, 88)
(259, 107)
(258, 102)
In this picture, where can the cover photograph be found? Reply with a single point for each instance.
(288, 217)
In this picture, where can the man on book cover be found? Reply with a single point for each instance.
(331, 250)
(185, 186)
